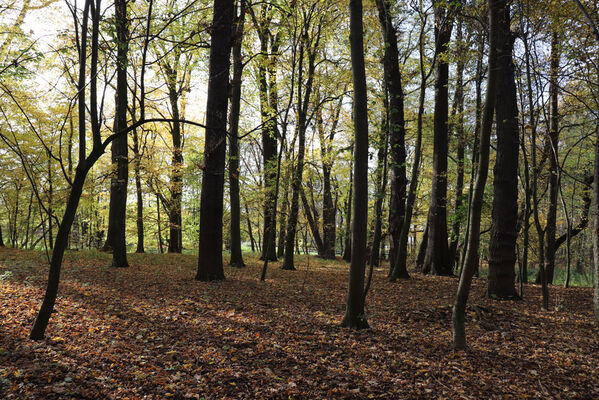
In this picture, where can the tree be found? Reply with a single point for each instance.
(210, 261)
(497, 11)
(354, 311)
(115, 238)
(502, 245)
(234, 169)
(396, 126)
(437, 259)
(117, 216)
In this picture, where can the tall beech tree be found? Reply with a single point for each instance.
(396, 126)
(497, 16)
(354, 310)
(504, 218)
(234, 169)
(437, 259)
(117, 214)
(210, 258)
(268, 93)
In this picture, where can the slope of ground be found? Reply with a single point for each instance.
(152, 332)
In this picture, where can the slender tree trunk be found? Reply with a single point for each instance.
(348, 209)
(234, 170)
(475, 146)
(1, 238)
(535, 175)
(139, 195)
(552, 146)
(354, 311)
(497, 11)
(502, 245)
(249, 222)
(437, 259)
(158, 224)
(210, 259)
(461, 146)
(381, 185)
(174, 211)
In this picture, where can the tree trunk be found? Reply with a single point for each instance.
(354, 311)
(1, 238)
(398, 267)
(437, 260)
(497, 11)
(461, 146)
(381, 187)
(139, 195)
(118, 188)
(396, 126)
(552, 147)
(174, 205)
(234, 170)
(348, 209)
(502, 245)
(210, 258)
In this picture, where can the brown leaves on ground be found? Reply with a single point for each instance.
(152, 332)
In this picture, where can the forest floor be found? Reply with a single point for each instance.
(152, 332)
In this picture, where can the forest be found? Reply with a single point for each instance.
(391, 199)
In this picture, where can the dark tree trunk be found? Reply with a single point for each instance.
(354, 311)
(381, 188)
(552, 148)
(158, 225)
(210, 258)
(118, 186)
(348, 209)
(437, 260)
(461, 146)
(138, 192)
(398, 267)
(234, 170)
(497, 10)
(1, 238)
(85, 163)
(174, 211)
(249, 222)
(396, 126)
(268, 111)
(502, 245)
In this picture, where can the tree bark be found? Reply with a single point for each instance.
(354, 311)
(497, 10)
(234, 169)
(552, 147)
(396, 126)
(502, 246)
(115, 237)
(461, 146)
(210, 258)
(437, 260)
(117, 216)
